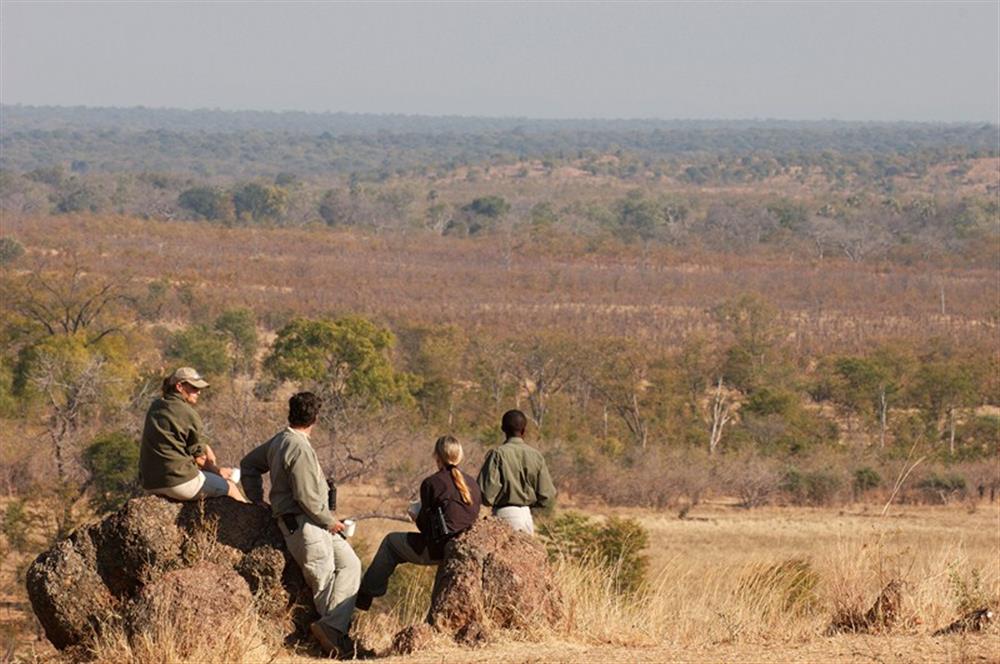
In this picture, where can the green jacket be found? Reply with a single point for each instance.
(297, 482)
(515, 474)
(171, 439)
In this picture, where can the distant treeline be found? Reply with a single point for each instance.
(251, 143)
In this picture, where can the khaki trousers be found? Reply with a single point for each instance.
(332, 570)
(518, 518)
(396, 548)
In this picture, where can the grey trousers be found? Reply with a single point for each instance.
(332, 570)
(518, 518)
(395, 549)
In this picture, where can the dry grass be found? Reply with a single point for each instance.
(726, 585)
(765, 586)
(248, 641)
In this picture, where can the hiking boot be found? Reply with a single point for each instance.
(363, 601)
(340, 646)
(329, 646)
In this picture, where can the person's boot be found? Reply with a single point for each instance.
(329, 646)
(363, 601)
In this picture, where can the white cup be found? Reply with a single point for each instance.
(349, 527)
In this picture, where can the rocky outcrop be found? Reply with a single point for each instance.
(194, 602)
(492, 577)
(154, 548)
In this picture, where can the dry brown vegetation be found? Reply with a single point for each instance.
(724, 584)
(657, 295)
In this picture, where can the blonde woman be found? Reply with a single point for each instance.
(449, 504)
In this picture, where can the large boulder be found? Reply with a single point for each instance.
(117, 566)
(197, 604)
(68, 595)
(493, 576)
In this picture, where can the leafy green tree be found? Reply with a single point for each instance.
(112, 459)
(867, 386)
(942, 386)
(10, 250)
(239, 327)
(75, 380)
(78, 197)
(774, 420)
(639, 218)
(201, 347)
(347, 360)
(259, 202)
(207, 203)
(437, 355)
(493, 207)
(752, 324)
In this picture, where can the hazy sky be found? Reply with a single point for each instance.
(795, 60)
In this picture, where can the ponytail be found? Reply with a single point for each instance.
(449, 451)
(460, 484)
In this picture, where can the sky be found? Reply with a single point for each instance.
(882, 61)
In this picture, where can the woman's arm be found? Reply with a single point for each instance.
(428, 501)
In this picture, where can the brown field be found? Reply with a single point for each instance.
(516, 286)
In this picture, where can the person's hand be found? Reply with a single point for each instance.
(337, 527)
(210, 456)
(200, 461)
(226, 473)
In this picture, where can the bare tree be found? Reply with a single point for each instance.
(70, 388)
(721, 413)
(72, 303)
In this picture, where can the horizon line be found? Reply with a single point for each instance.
(526, 118)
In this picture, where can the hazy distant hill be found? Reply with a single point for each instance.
(247, 143)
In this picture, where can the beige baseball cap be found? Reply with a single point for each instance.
(189, 376)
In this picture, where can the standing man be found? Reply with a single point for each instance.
(174, 459)
(514, 477)
(300, 501)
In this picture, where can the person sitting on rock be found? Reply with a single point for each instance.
(514, 477)
(301, 501)
(174, 459)
(449, 504)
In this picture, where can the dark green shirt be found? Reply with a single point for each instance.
(515, 474)
(171, 439)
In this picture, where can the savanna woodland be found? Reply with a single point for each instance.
(715, 328)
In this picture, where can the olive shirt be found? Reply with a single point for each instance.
(297, 482)
(515, 474)
(171, 439)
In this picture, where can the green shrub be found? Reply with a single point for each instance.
(817, 487)
(940, 488)
(616, 545)
(866, 479)
(15, 525)
(113, 462)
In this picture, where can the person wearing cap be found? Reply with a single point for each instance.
(303, 503)
(174, 459)
(514, 478)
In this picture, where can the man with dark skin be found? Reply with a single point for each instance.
(514, 477)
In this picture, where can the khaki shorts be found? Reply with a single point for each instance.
(202, 485)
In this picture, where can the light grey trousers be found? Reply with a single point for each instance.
(395, 549)
(518, 518)
(332, 570)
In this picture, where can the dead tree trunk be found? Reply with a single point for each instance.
(721, 413)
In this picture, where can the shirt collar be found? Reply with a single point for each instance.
(298, 431)
(515, 440)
